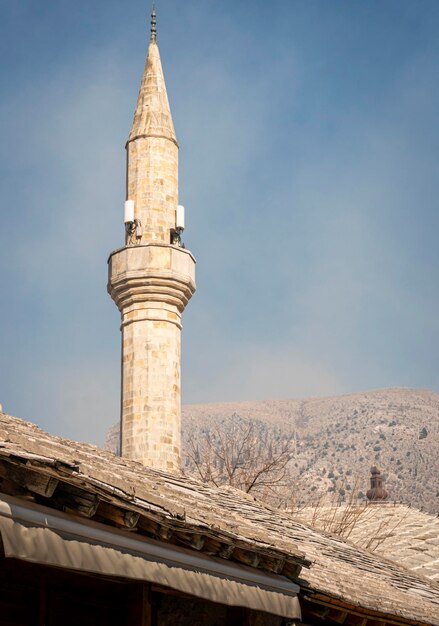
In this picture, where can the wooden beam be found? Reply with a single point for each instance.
(338, 616)
(154, 529)
(194, 540)
(355, 620)
(139, 606)
(9, 488)
(28, 479)
(371, 616)
(42, 485)
(42, 609)
(314, 610)
(291, 570)
(214, 547)
(149, 526)
(121, 517)
(332, 615)
(73, 500)
(246, 556)
(165, 533)
(272, 564)
(226, 550)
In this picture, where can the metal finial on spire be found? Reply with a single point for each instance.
(153, 24)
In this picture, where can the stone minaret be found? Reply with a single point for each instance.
(151, 279)
(376, 493)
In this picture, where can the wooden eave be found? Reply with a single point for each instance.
(326, 610)
(60, 487)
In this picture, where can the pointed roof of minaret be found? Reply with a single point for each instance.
(152, 117)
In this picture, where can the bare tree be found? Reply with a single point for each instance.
(334, 515)
(247, 455)
(348, 518)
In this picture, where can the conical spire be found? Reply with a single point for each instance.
(152, 117)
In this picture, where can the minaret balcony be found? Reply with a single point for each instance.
(151, 273)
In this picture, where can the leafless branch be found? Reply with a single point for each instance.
(244, 454)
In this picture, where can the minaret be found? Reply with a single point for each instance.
(376, 493)
(151, 278)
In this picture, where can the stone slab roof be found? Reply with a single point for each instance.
(223, 522)
(399, 532)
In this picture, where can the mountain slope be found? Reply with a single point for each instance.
(339, 438)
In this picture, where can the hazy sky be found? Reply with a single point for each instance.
(309, 168)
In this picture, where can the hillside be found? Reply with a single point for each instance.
(337, 439)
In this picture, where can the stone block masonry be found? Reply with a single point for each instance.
(151, 281)
(153, 185)
(151, 285)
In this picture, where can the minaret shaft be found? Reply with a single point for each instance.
(152, 182)
(151, 281)
(150, 419)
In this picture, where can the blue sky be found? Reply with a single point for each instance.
(309, 168)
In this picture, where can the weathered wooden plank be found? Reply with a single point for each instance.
(246, 556)
(121, 517)
(291, 569)
(194, 540)
(71, 499)
(272, 564)
(154, 529)
(35, 482)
